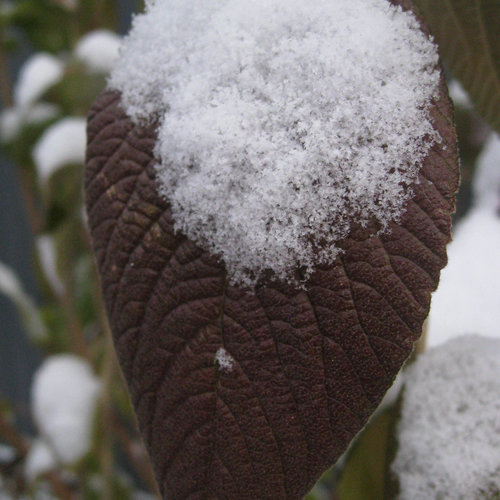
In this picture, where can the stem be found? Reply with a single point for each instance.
(5, 86)
(12, 436)
(106, 452)
(139, 460)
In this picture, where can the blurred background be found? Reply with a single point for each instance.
(66, 426)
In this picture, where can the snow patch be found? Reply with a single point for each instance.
(7, 454)
(61, 144)
(37, 75)
(459, 95)
(47, 255)
(64, 396)
(39, 460)
(12, 120)
(449, 433)
(282, 123)
(99, 50)
(224, 360)
(467, 299)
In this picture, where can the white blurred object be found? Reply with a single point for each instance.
(468, 297)
(459, 95)
(99, 50)
(449, 432)
(39, 460)
(64, 396)
(37, 75)
(12, 288)
(61, 144)
(47, 255)
(12, 120)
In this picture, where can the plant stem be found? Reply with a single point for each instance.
(5, 86)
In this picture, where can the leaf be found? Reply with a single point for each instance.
(468, 35)
(364, 476)
(310, 366)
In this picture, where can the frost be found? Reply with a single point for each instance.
(61, 144)
(449, 433)
(37, 75)
(39, 460)
(224, 359)
(98, 50)
(282, 123)
(467, 299)
(64, 396)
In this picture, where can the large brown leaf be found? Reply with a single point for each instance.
(310, 365)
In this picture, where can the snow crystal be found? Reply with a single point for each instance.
(61, 144)
(99, 50)
(224, 359)
(281, 122)
(467, 299)
(449, 433)
(64, 396)
(39, 460)
(38, 73)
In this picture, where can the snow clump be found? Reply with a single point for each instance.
(449, 433)
(224, 359)
(98, 50)
(64, 396)
(467, 299)
(281, 123)
(37, 75)
(63, 143)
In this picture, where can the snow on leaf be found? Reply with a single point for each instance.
(39, 460)
(277, 121)
(449, 433)
(472, 276)
(12, 288)
(224, 359)
(310, 364)
(63, 143)
(98, 50)
(64, 395)
(37, 75)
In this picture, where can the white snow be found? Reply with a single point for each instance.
(12, 288)
(468, 297)
(64, 396)
(459, 95)
(281, 122)
(9, 282)
(449, 433)
(12, 120)
(37, 75)
(224, 360)
(99, 50)
(7, 454)
(39, 460)
(63, 143)
(47, 255)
